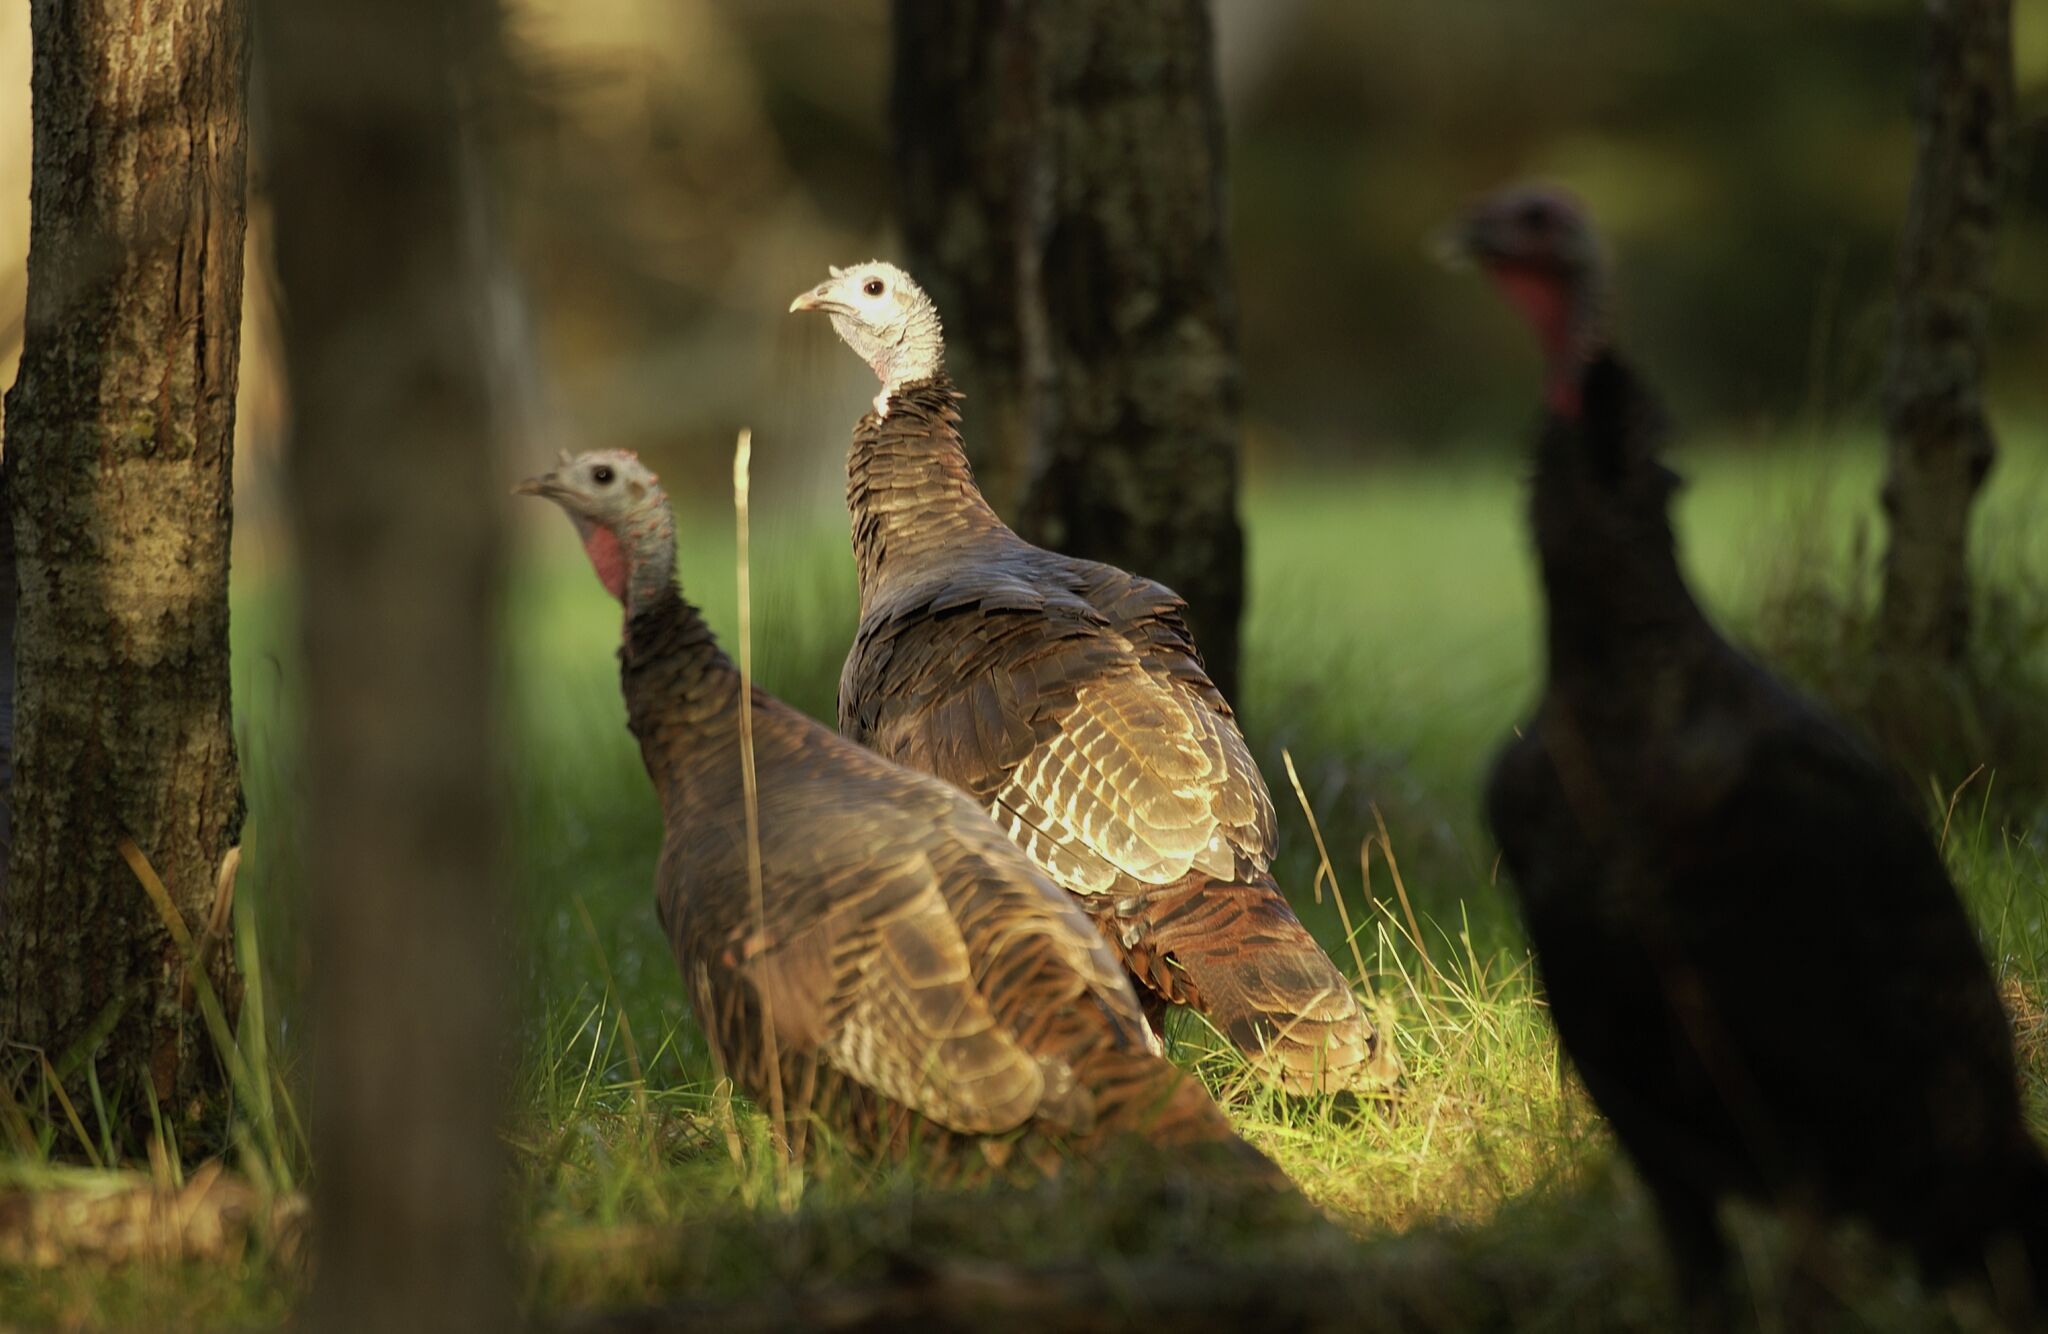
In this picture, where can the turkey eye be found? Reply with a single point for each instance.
(873, 287)
(1534, 217)
(601, 474)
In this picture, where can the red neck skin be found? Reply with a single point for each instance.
(1552, 308)
(636, 559)
(608, 557)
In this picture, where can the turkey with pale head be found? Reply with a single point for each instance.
(906, 978)
(1069, 700)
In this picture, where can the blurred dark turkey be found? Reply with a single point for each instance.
(1751, 947)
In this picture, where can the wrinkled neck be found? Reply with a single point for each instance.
(906, 355)
(635, 558)
(910, 492)
(920, 355)
(652, 578)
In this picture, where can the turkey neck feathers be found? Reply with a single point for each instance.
(909, 488)
(1600, 507)
(679, 686)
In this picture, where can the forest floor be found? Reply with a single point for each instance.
(1390, 644)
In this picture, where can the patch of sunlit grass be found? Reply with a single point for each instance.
(1390, 645)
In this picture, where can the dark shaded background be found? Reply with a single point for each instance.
(696, 163)
(686, 165)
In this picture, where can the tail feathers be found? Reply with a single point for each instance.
(1239, 955)
(1066, 1104)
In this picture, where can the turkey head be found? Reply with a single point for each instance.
(885, 317)
(619, 511)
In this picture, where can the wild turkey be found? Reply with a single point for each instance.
(1751, 947)
(1068, 699)
(920, 987)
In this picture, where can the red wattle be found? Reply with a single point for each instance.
(1561, 395)
(1545, 302)
(609, 558)
(1540, 297)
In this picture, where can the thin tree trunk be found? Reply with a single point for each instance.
(120, 438)
(7, 602)
(381, 231)
(961, 104)
(1062, 181)
(1941, 446)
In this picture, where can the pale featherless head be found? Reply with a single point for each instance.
(620, 512)
(883, 315)
(609, 486)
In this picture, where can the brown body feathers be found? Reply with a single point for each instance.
(912, 984)
(1069, 700)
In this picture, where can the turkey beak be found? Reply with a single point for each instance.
(1452, 245)
(1469, 240)
(818, 298)
(543, 485)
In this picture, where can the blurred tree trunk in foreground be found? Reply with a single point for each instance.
(7, 602)
(1060, 165)
(382, 224)
(120, 440)
(1941, 446)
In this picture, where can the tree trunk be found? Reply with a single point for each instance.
(381, 233)
(1061, 169)
(7, 595)
(120, 438)
(960, 103)
(1941, 446)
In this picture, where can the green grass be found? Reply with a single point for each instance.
(1391, 642)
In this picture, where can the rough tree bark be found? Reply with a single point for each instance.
(1941, 446)
(1062, 179)
(120, 438)
(381, 231)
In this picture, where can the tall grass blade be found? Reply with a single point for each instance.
(255, 1037)
(1386, 843)
(742, 458)
(99, 1110)
(15, 1120)
(1325, 869)
(624, 1024)
(56, 1086)
(239, 1074)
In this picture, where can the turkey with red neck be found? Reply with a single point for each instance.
(911, 980)
(1751, 947)
(1069, 700)
(1533, 245)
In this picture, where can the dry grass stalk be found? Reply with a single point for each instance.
(742, 457)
